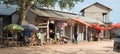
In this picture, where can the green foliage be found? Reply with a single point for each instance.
(45, 3)
(61, 3)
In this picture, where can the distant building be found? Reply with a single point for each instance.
(97, 11)
(100, 12)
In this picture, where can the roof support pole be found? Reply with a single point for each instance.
(48, 29)
(86, 28)
(71, 32)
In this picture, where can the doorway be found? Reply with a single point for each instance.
(52, 30)
(75, 29)
(1, 25)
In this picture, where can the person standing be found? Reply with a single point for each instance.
(39, 36)
(75, 37)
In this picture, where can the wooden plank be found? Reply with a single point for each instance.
(48, 29)
(42, 26)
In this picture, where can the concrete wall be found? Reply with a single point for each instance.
(96, 11)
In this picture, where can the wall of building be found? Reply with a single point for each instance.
(96, 11)
(15, 18)
(68, 31)
(31, 17)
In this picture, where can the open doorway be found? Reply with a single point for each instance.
(75, 29)
(52, 30)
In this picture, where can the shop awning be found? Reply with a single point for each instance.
(45, 13)
(98, 27)
(51, 14)
(77, 19)
(117, 25)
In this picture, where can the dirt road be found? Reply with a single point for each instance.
(100, 47)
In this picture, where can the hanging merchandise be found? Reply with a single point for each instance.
(59, 24)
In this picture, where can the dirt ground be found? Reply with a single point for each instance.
(99, 47)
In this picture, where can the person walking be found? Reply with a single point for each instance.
(75, 37)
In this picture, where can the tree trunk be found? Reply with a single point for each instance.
(22, 14)
(25, 6)
(22, 17)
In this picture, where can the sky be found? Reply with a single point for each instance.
(113, 4)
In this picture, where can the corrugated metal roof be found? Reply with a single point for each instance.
(49, 13)
(63, 15)
(66, 15)
(45, 13)
(86, 19)
(7, 9)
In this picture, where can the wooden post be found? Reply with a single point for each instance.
(71, 33)
(72, 30)
(86, 32)
(48, 29)
(83, 30)
(78, 32)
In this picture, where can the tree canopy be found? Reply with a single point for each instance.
(25, 5)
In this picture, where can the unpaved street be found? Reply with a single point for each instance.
(100, 47)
